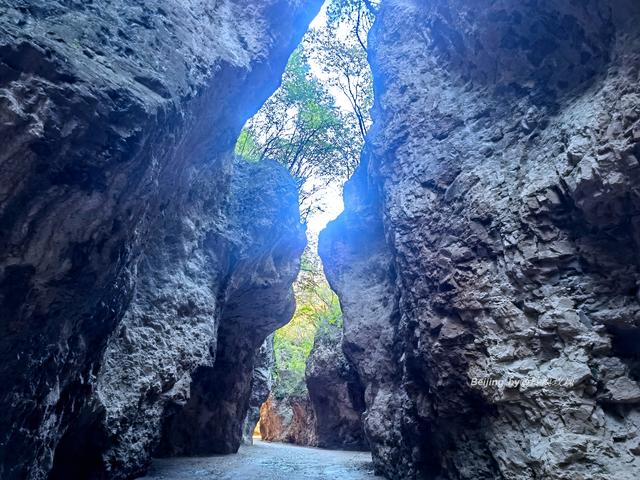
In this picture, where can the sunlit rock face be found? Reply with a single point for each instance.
(128, 237)
(336, 394)
(289, 420)
(491, 233)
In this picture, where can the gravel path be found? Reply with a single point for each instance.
(268, 461)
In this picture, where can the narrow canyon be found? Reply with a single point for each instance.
(482, 314)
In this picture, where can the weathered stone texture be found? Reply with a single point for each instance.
(289, 420)
(336, 393)
(175, 365)
(491, 232)
(261, 383)
(119, 229)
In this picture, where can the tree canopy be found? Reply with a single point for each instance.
(304, 126)
(315, 125)
(356, 15)
(301, 128)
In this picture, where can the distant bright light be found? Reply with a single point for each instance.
(321, 18)
(330, 202)
(343, 31)
(332, 206)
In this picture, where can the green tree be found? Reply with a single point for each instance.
(301, 127)
(344, 63)
(357, 15)
(317, 310)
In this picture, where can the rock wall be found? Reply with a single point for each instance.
(261, 383)
(121, 226)
(335, 392)
(487, 259)
(175, 370)
(289, 420)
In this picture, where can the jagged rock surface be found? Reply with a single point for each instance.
(174, 368)
(258, 300)
(261, 383)
(491, 234)
(117, 121)
(335, 392)
(290, 419)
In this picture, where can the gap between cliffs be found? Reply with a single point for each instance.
(304, 391)
(152, 237)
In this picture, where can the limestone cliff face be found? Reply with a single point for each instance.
(335, 392)
(290, 420)
(169, 367)
(125, 226)
(261, 383)
(487, 258)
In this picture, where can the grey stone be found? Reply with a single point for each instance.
(435, 333)
(126, 245)
(261, 383)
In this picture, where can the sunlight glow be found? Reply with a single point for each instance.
(331, 204)
(343, 31)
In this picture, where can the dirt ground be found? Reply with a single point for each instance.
(268, 461)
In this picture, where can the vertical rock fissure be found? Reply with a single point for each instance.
(314, 125)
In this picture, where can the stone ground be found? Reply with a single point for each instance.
(268, 461)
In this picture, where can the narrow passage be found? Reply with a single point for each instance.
(268, 461)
